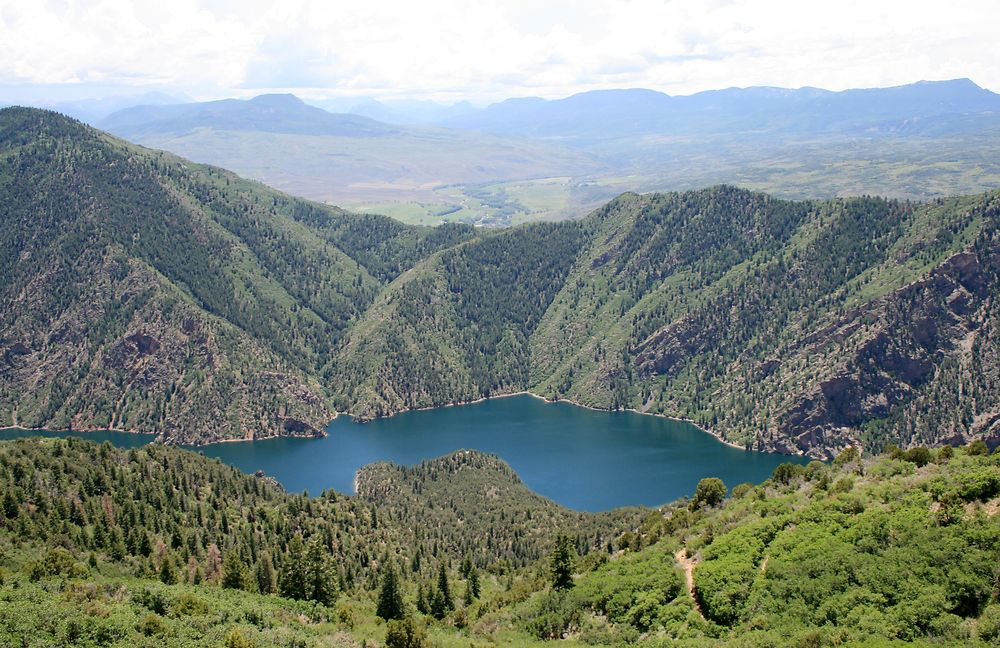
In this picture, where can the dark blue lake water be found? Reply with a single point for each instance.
(585, 459)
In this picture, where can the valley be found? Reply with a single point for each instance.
(623, 324)
(146, 293)
(530, 159)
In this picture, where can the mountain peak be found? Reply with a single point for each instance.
(278, 100)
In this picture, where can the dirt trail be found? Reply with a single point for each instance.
(688, 564)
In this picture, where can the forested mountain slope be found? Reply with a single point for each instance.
(170, 526)
(142, 292)
(457, 326)
(161, 546)
(796, 326)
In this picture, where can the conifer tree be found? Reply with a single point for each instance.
(561, 568)
(168, 574)
(233, 571)
(264, 574)
(441, 602)
(319, 580)
(390, 599)
(292, 577)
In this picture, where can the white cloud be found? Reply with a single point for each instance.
(448, 49)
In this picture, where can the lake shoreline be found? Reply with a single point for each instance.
(159, 435)
(551, 401)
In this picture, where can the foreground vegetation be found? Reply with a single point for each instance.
(158, 546)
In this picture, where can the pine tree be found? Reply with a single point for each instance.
(292, 577)
(466, 567)
(473, 582)
(441, 602)
(443, 586)
(319, 580)
(390, 600)
(168, 574)
(561, 568)
(423, 605)
(264, 574)
(233, 571)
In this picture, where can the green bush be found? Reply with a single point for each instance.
(786, 472)
(977, 448)
(988, 624)
(189, 605)
(709, 492)
(405, 633)
(151, 625)
(57, 562)
(236, 639)
(553, 614)
(919, 455)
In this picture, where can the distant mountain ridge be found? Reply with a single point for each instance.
(616, 113)
(918, 141)
(275, 113)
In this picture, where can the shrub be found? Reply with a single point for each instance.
(189, 605)
(152, 624)
(786, 472)
(405, 633)
(151, 600)
(236, 639)
(555, 613)
(57, 562)
(709, 492)
(977, 447)
(741, 490)
(849, 455)
(919, 455)
(988, 626)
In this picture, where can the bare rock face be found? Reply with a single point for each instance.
(917, 329)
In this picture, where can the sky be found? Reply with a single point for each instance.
(485, 51)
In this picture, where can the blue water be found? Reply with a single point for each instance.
(118, 439)
(581, 458)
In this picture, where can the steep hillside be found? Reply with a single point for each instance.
(783, 325)
(456, 327)
(177, 547)
(142, 292)
(161, 546)
(791, 326)
(903, 548)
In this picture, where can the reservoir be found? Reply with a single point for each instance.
(585, 459)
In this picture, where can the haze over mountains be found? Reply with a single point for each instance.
(531, 159)
(605, 114)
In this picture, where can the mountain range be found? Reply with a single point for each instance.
(144, 292)
(919, 108)
(534, 159)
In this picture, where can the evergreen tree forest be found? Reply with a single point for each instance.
(156, 545)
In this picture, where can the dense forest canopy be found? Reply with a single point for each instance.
(162, 546)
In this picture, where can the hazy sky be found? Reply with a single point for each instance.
(449, 50)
